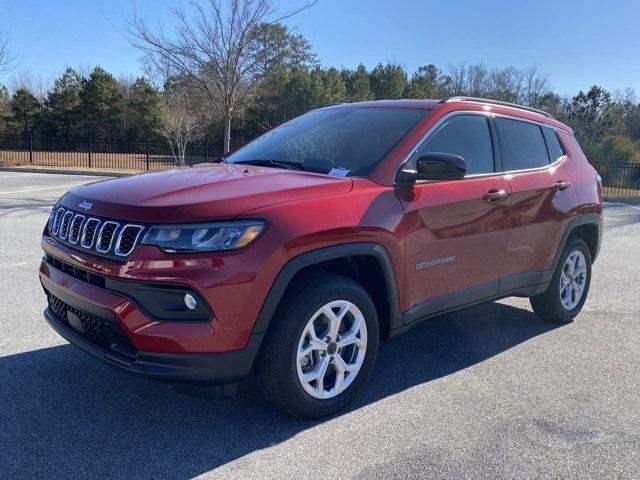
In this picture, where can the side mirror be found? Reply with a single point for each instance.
(436, 166)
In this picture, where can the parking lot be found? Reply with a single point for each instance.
(487, 392)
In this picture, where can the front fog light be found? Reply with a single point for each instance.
(190, 302)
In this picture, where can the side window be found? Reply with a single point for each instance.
(555, 147)
(464, 135)
(522, 145)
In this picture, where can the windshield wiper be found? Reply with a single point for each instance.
(274, 163)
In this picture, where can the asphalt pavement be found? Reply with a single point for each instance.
(487, 392)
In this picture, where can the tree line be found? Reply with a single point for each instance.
(226, 76)
(97, 106)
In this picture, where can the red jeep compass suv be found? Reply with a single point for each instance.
(299, 252)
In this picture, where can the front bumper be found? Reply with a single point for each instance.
(71, 301)
(196, 369)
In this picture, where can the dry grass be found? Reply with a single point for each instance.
(620, 192)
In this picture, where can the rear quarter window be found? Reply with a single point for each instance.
(522, 144)
(555, 147)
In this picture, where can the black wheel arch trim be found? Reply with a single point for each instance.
(579, 221)
(321, 255)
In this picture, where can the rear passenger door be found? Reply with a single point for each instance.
(541, 196)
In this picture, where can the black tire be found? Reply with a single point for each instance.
(276, 366)
(548, 305)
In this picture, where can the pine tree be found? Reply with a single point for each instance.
(358, 85)
(425, 83)
(26, 110)
(328, 86)
(142, 110)
(101, 105)
(62, 108)
(5, 108)
(388, 81)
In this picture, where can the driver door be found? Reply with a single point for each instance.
(456, 237)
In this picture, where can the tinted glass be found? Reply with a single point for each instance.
(555, 148)
(352, 139)
(464, 135)
(521, 144)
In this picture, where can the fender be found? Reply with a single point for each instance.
(579, 221)
(314, 257)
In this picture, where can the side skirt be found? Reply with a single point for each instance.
(522, 285)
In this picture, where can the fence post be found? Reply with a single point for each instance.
(89, 152)
(147, 154)
(30, 147)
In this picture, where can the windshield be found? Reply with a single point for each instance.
(340, 141)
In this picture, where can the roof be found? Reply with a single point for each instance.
(427, 104)
(463, 103)
(497, 102)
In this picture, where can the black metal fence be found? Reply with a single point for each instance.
(620, 179)
(98, 154)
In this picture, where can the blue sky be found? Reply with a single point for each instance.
(578, 43)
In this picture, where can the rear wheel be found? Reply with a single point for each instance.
(569, 285)
(321, 349)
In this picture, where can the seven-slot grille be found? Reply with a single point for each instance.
(106, 237)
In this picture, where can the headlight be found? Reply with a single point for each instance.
(204, 237)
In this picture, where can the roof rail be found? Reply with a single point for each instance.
(496, 102)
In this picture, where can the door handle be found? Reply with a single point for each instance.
(562, 185)
(494, 196)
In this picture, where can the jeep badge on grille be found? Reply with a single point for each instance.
(85, 205)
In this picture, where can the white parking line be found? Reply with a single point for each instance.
(39, 189)
(19, 175)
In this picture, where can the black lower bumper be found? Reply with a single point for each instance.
(196, 369)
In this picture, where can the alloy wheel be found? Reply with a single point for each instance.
(331, 349)
(573, 280)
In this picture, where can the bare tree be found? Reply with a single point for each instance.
(536, 87)
(212, 45)
(456, 79)
(7, 60)
(36, 83)
(510, 84)
(125, 83)
(179, 124)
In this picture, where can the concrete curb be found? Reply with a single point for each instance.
(63, 171)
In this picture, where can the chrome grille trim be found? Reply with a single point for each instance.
(71, 237)
(83, 238)
(123, 230)
(52, 217)
(113, 234)
(82, 231)
(57, 220)
(65, 224)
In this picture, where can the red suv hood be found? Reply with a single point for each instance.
(200, 193)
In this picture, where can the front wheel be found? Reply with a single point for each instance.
(569, 285)
(321, 349)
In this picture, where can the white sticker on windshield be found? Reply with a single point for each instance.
(339, 172)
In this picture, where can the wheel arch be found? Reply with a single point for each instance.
(589, 228)
(333, 259)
